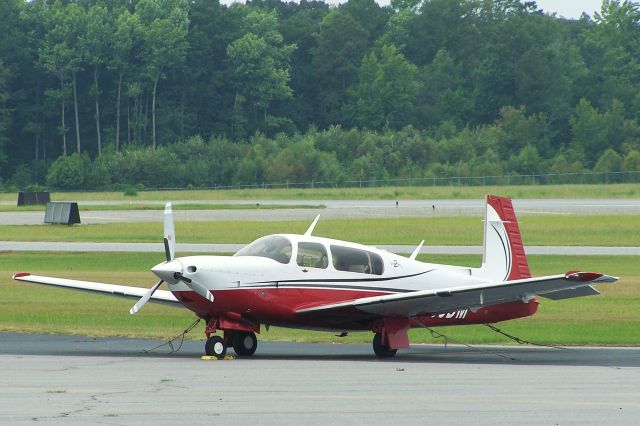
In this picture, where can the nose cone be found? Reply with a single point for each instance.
(166, 270)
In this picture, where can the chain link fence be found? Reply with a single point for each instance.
(527, 179)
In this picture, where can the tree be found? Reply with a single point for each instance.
(95, 44)
(207, 92)
(589, 131)
(609, 162)
(54, 57)
(4, 112)
(386, 92)
(260, 62)
(520, 131)
(614, 48)
(444, 97)
(631, 162)
(126, 36)
(165, 24)
(341, 45)
(369, 15)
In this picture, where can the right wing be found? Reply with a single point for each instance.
(134, 293)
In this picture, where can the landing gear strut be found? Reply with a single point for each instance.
(382, 351)
(215, 346)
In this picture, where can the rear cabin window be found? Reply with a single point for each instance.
(274, 247)
(356, 260)
(312, 255)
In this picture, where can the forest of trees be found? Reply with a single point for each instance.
(173, 93)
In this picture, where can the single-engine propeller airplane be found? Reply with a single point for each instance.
(304, 281)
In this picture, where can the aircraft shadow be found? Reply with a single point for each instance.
(64, 345)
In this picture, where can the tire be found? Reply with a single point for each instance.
(382, 351)
(244, 343)
(215, 346)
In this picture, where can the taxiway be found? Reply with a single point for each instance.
(80, 380)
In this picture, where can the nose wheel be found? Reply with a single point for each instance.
(215, 346)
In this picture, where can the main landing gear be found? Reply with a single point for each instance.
(244, 343)
(382, 351)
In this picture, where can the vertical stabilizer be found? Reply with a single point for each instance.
(503, 255)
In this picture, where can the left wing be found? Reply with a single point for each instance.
(430, 302)
(160, 296)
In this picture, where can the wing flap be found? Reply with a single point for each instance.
(129, 292)
(430, 302)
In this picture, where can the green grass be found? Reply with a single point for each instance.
(87, 206)
(398, 192)
(611, 319)
(536, 230)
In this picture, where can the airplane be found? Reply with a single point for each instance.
(310, 282)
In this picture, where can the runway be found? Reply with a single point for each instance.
(336, 209)
(79, 380)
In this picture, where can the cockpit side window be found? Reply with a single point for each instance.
(312, 255)
(274, 247)
(356, 260)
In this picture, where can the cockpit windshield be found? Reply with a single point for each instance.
(274, 247)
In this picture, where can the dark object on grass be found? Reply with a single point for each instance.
(62, 212)
(33, 198)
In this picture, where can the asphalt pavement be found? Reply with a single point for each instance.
(80, 380)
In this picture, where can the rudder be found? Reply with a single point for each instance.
(503, 255)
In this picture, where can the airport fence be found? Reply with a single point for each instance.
(503, 180)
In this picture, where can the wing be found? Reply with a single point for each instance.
(429, 302)
(160, 296)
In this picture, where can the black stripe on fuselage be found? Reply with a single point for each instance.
(347, 280)
(324, 283)
(323, 286)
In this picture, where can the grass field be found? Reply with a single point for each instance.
(389, 193)
(536, 230)
(613, 318)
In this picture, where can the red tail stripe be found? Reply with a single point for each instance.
(519, 264)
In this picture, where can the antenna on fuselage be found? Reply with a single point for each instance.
(416, 251)
(313, 225)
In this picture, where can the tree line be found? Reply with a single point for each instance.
(97, 93)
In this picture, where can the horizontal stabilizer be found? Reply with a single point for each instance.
(573, 292)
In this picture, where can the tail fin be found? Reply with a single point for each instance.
(503, 256)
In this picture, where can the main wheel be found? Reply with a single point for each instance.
(215, 346)
(244, 343)
(382, 351)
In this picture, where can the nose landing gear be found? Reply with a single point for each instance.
(215, 346)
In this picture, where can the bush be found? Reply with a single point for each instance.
(69, 172)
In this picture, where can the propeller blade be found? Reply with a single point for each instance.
(169, 233)
(144, 299)
(195, 286)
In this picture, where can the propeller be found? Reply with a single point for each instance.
(144, 299)
(170, 254)
(195, 286)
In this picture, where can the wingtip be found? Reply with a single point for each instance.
(589, 277)
(20, 275)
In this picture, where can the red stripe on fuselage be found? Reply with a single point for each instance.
(278, 306)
